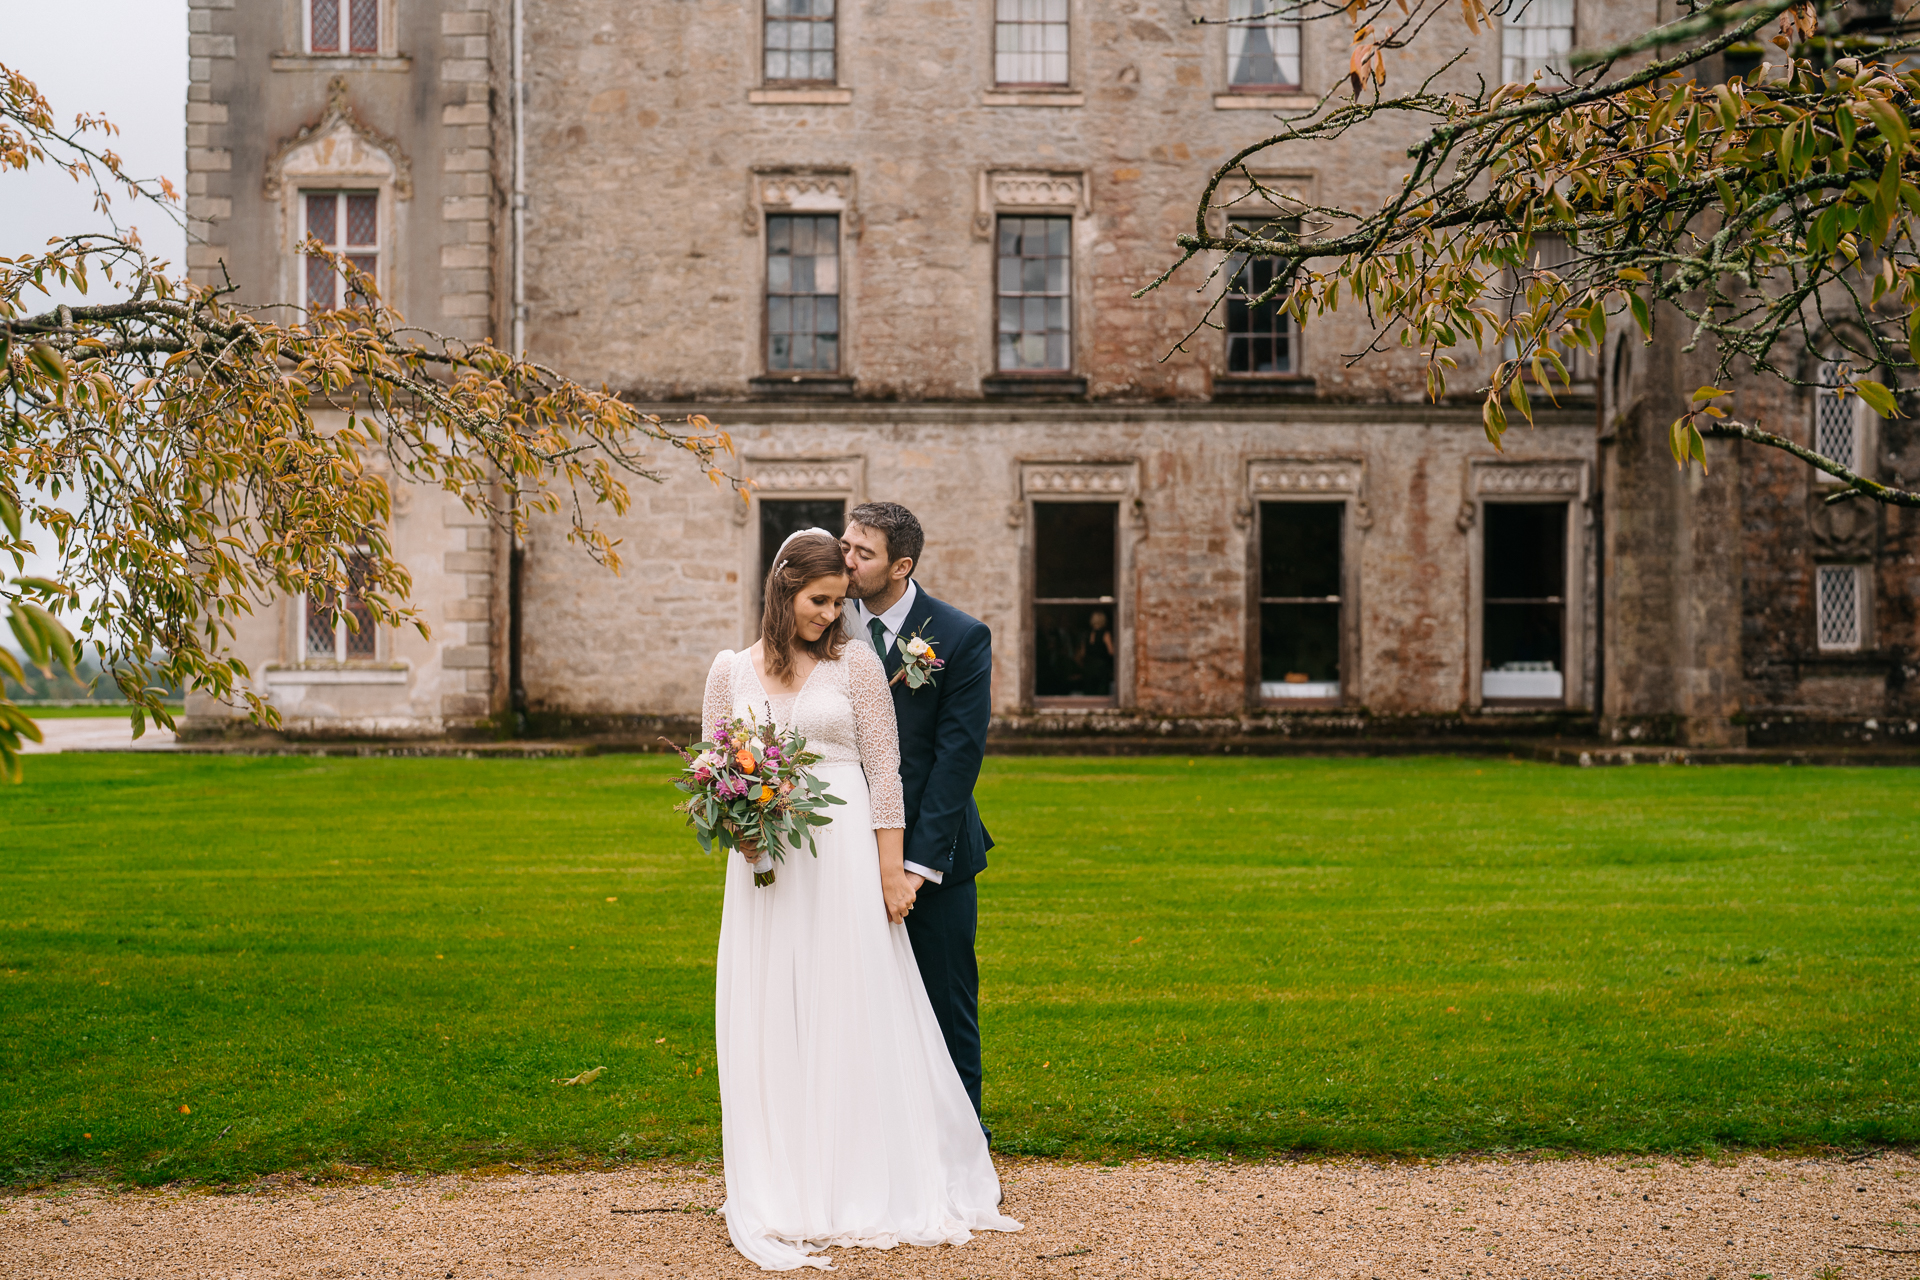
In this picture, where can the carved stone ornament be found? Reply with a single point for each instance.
(1035, 190)
(783, 189)
(1078, 479)
(1844, 531)
(1524, 479)
(807, 475)
(1309, 477)
(338, 144)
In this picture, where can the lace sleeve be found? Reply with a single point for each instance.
(718, 703)
(876, 735)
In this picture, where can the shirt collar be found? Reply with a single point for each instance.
(895, 618)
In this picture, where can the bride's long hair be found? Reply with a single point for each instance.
(804, 558)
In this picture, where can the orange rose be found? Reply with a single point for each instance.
(744, 758)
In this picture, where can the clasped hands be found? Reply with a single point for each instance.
(899, 887)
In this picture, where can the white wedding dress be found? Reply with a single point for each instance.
(844, 1121)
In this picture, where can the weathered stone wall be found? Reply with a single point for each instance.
(640, 643)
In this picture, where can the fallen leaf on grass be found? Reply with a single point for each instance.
(185, 1110)
(585, 1077)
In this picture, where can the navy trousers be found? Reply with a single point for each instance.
(941, 928)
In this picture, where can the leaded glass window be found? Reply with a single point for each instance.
(1263, 50)
(800, 40)
(1030, 41)
(339, 626)
(348, 223)
(1259, 333)
(350, 26)
(803, 292)
(1537, 34)
(1836, 419)
(1838, 600)
(1035, 287)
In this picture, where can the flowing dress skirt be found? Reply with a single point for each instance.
(844, 1121)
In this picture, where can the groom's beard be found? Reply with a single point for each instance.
(858, 590)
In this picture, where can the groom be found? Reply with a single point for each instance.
(943, 733)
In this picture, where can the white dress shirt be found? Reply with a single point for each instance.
(895, 621)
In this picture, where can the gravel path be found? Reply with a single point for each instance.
(1790, 1219)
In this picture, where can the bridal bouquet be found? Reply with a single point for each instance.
(749, 785)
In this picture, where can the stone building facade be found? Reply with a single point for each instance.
(893, 248)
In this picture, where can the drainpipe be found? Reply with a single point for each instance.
(517, 551)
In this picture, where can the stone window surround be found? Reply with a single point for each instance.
(777, 93)
(339, 152)
(1314, 478)
(1017, 192)
(1567, 480)
(298, 54)
(804, 189)
(1088, 480)
(1070, 94)
(842, 476)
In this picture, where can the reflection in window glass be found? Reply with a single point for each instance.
(1537, 34)
(1030, 41)
(1035, 288)
(1263, 50)
(1524, 578)
(800, 39)
(1075, 547)
(803, 292)
(1259, 334)
(1300, 577)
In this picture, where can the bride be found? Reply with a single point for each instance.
(843, 1119)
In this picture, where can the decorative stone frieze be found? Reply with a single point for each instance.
(1029, 190)
(1507, 479)
(1079, 479)
(786, 189)
(1281, 478)
(340, 144)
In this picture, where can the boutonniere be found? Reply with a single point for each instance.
(918, 661)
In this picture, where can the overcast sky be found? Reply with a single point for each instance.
(127, 60)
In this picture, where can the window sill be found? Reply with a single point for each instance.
(819, 96)
(1302, 704)
(1265, 101)
(341, 62)
(799, 386)
(1271, 387)
(1074, 702)
(1023, 386)
(1033, 98)
(337, 673)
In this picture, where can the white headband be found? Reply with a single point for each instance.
(799, 533)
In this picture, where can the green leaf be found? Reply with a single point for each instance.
(1878, 398)
(1709, 393)
(9, 513)
(1642, 316)
(48, 361)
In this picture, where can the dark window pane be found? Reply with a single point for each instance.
(1074, 649)
(1300, 640)
(1523, 633)
(1259, 334)
(1300, 548)
(1073, 550)
(326, 26)
(1525, 550)
(803, 303)
(364, 26)
(780, 517)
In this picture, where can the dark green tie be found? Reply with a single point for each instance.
(878, 630)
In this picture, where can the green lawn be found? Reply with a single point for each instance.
(93, 712)
(220, 966)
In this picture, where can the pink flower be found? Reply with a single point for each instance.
(702, 774)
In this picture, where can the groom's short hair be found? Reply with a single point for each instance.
(897, 524)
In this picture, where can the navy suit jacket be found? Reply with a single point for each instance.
(943, 736)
